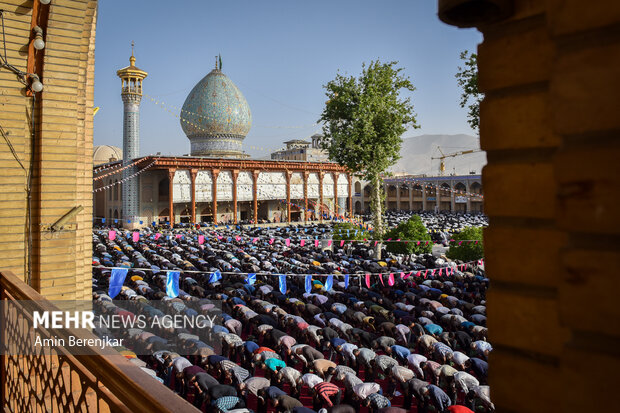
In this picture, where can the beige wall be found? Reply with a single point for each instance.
(63, 135)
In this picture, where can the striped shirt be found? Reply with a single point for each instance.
(442, 349)
(240, 374)
(325, 390)
(228, 365)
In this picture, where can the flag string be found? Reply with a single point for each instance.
(449, 270)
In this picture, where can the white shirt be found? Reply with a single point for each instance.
(311, 380)
(363, 390)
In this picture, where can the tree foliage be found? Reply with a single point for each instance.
(349, 231)
(467, 251)
(412, 229)
(467, 78)
(364, 118)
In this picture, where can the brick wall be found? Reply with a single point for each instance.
(550, 126)
(63, 137)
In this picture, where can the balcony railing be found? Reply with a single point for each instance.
(52, 380)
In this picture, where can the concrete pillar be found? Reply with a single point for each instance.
(215, 173)
(452, 198)
(171, 173)
(306, 173)
(320, 196)
(410, 188)
(192, 173)
(287, 174)
(255, 195)
(235, 174)
(336, 206)
(350, 178)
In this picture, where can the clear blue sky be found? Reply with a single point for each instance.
(279, 53)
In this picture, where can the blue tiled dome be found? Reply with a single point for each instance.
(216, 117)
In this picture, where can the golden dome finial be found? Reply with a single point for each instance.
(132, 59)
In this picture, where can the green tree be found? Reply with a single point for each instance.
(467, 78)
(467, 251)
(364, 119)
(412, 229)
(349, 231)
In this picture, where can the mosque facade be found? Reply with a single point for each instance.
(217, 182)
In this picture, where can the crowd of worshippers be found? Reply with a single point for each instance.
(448, 222)
(419, 344)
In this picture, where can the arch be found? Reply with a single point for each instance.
(115, 214)
(417, 187)
(358, 207)
(391, 190)
(367, 190)
(404, 190)
(186, 215)
(460, 187)
(475, 188)
(116, 189)
(358, 187)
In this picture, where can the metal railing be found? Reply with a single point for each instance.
(52, 380)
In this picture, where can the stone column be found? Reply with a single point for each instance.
(171, 173)
(423, 196)
(192, 173)
(336, 206)
(255, 195)
(287, 174)
(306, 173)
(321, 196)
(410, 187)
(235, 174)
(214, 174)
(350, 178)
(452, 197)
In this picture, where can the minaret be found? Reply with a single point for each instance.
(131, 93)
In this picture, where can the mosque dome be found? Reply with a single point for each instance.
(106, 153)
(216, 117)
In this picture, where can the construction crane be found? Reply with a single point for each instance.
(442, 163)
